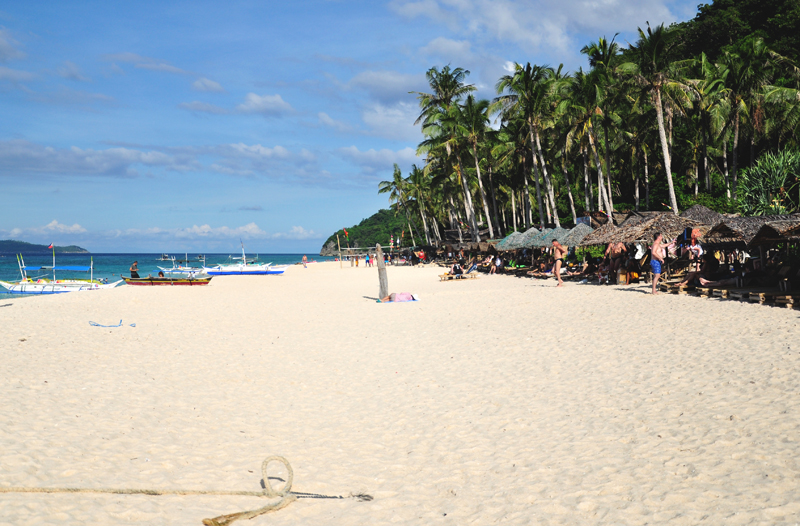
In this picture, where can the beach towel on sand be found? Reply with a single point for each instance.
(401, 297)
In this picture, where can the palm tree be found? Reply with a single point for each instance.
(396, 188)
(474, 126)
(447, 86)
(654, 70)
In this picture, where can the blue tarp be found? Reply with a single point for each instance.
(72, 268)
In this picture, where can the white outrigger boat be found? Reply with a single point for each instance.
(178, 268)
(243, 268)
(41, 285)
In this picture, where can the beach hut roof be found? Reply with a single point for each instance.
(598, 237)
(533, 241)
(577, 234)
(558, 233)
(777, 232)
(504, 244)
(702, 214)
(739, 232)
(524, 240)
(669, 225)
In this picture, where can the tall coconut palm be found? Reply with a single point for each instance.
(447, 87)
(654, 70)
(396, 188)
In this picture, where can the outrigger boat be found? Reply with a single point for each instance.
(157, 281)
(187, 270)
(40, 285)
(243, 268)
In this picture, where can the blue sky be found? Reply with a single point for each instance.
(158, 126)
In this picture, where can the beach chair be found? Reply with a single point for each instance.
(457, 277)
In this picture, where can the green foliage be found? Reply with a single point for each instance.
(377, 228)
(24, 247)
(589, 252)
(771, 186)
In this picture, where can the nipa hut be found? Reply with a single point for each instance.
(777, 232)
(668, 225)
(739, 232)
(702, 214)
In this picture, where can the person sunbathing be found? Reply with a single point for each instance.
(398, 296)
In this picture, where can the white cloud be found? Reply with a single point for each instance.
(394, 122)
(267, 105)
(55, 226)
(250, 230)
(71, 71)
(297, 232)
(388, 86)
(19, 156)
(449, 51)
(8, 47)
(15, 75)
(149, 63)
(544, 25)
(203, 107)
(372, 161)
(204, 84)
(326, 119)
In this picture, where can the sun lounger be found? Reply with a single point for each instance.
(449, 277)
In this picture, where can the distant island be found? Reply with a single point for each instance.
(10, 245)
(378, 228)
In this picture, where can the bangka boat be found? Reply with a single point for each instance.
(243, 268)
(42, 285)
(165, 257)
(178, 268)
(159, 281)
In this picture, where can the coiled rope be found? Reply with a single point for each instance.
(286, 495)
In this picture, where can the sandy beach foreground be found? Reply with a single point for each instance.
(497, 400)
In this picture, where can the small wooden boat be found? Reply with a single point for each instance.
(159, 281)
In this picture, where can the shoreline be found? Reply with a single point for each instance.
(494, 399)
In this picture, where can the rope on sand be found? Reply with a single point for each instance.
(286, 495)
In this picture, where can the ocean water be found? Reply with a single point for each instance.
(112, 266)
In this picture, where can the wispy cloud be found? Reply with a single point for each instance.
(204, 84)
(15, 75)
(51, 228)
(372, 161)
(203, 107)
(70, 70)
(149, 63)
(267, 105)
(326, 119)
(8, 47)
(255, 208)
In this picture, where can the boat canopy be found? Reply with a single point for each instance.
(67, 267)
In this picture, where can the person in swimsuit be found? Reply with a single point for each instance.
(615, 254)
(559, 251)
(657, 255)
(305, 261)
(135, 270)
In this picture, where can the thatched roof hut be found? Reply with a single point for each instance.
(777, 232)
(558, 233)
(702, 214)
(739, 232)
(533, 241)
(599, 236)
(669, 225)
(525, 239)
(503, 244)
(577, 234)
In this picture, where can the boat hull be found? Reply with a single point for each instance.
(168, 282)
(48, 287)
(243, 271)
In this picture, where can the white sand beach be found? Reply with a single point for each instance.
(497, 400)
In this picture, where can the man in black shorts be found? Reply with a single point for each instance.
(135, 270)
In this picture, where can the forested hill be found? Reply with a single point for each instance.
(377, 228)
(9, 245)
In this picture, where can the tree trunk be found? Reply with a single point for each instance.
(696, 179)
(424, 223)
(469, 209)
(548, 183)
(514, 210)
(735, 153)
(587, 184)
(705, 161)
(601, 190)
(725, 167)
(665, 149)
(608, 170)
(494, 203)
(547, 209)
(454, 220)
(483, 193)
(536, 175)
(646, 182)
(569, 187)
(635, 179)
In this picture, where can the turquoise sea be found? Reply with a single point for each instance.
(111, 266)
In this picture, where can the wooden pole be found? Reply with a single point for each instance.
(383, 281)
(340, 250)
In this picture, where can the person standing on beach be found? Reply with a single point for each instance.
(657, 255)
(305, 261)
(367, 260)
(559, 251)
(135, 270)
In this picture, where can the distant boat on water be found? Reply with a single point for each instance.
(243, 268)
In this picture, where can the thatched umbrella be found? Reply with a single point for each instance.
(559, 234)
(524, 241)
(577, 234)
(599, 236)
(511, 238)
(702, 214)
(533, 241)
(777, 232)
